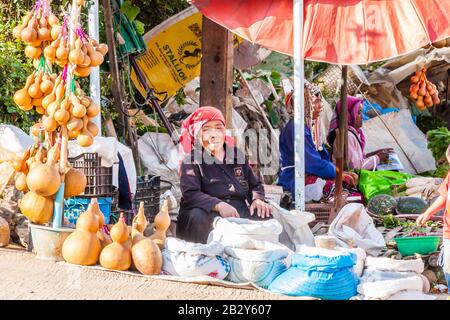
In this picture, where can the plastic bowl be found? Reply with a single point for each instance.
(408, 246)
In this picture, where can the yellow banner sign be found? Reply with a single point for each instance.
(174, 53)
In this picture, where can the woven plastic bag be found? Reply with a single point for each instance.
(258, 262)
(188, 259)
(320, 273)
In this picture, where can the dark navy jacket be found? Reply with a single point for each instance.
(204, 183)
(316, 162)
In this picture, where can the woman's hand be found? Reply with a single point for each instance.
(350, 178)
(262, 209)
(383, 155)
(424, 217)
(226, 211)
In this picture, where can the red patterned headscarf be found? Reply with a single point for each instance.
(193, 124)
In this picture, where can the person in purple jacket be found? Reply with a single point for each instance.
(215, 179)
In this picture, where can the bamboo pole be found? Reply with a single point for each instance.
(342, 136)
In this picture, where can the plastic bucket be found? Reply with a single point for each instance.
(73, 207)
(408, 246)
(47, 242)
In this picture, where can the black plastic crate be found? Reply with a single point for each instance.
(149, 189)
(99, 179)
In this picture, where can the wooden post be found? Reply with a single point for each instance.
(126, 130)
(216, 79)
(342, 138)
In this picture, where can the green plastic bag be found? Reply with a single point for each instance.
(372, 183)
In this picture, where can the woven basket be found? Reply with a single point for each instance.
(330, 80)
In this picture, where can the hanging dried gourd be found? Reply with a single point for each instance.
(44, 179)
(82, 247)
(86, 53)
(423, 91)
(146, 254)
(116, 256)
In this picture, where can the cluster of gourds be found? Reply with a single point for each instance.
(38, 85)
(89, 244)
(39, 177)
(423, 91)
(87, 53)
(74, 111)
(60, 101)
(38, 28)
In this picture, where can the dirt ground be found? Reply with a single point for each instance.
(22, 276)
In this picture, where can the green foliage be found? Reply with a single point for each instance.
(153, 12)
(438, 142)
(14, 65)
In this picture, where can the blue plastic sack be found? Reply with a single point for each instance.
(321, 276)
(73, 207)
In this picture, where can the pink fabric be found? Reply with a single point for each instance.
(192, 125)
(355, 155)
(353, 105)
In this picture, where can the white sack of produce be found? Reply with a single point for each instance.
(229, 230)
(188, 259)
(14, 139)
(353, 224)
(382, 285)
(259, 262)
(388, 264)
(296, 231)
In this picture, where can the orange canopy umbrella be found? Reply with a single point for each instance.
(336, 31)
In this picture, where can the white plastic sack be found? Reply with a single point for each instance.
(386, 288)
(296, 230)
(151, 142)
(354, 224)
(388, 264)
(14, 139)
(258, 262)
(229, 230)
(314, 192)
(181, 258)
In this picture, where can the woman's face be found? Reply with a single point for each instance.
(213, 135)
(359, 118)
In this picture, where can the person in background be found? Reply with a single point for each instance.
(317, 163)
(356, 159)
(215, 179)
(443, 202)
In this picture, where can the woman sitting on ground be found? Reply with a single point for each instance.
(215, 179)
(356, 159)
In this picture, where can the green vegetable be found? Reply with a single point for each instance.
(411, 205)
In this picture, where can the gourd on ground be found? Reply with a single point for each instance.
(4, 232)
(82, 247)
(162, 223)
(116, 256)
(104, 238)
(147, 257)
